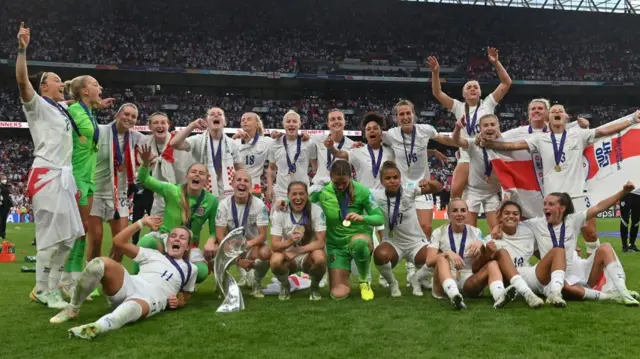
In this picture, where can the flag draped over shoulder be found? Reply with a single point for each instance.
(608, 164)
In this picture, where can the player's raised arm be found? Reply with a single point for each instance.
(436, 87)
(121, 240)
(505, 81)
(22, 74)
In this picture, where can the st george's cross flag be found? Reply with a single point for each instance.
(608, 164)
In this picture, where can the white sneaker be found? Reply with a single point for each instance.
(533, 301)
(427, 282)
(415, 285)
(285, 292)
(65, 315)
(39, 297)
(627, 299)
(55, 300)
(556, 300)
(458, 302)
(256, 288)
(87, 331)
(507, 296)
(323, 282)
(410, 273)
(394, 289)
(315, 294)
(383, 282)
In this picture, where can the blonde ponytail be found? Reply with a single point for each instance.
(74, 87)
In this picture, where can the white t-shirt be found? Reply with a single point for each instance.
(104, 177)
(51, 132)
(283, 226)
(477, 179)
(440, 241)
(254, 156)
(573, 224)
(523, 131)
(361, 160)
(278, 155)
(320, 152)
(407, 230)
(520, 245)
(163, 278)
(487, 106)
(257, 216)
(571, 178)
(419, 160)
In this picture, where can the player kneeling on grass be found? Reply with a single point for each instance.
(460, 245)
(402, 237)
(164, 280)
(298, 234)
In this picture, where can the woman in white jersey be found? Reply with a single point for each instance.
(168, 165)
(561, 153)
(324, 142)
(165, 280)
(51, 186)
(253, 147)
(298, 235)
(461, 246)
(115, 172)
(512, 244)
(289, 159)
(243, 210)
(584, 274)
(538, 117)
(212, 148)
(402, 237)
(483, 189)
(471, 109)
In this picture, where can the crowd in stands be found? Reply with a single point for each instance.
(16, 156)
(316, 36)
(194, 104)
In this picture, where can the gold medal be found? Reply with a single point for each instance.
(457, 274)
(82, 140)
(558, 168)
(346, 223)
(487, 178)
(292, 173)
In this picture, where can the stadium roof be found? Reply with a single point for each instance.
(611, 6)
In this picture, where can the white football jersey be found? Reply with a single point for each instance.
(413, 166)
(51, 131)
(278, 155)
(571, 179)
(487, 107)
(283, 226)
(523, 131)
(407, 230)
(319, 151)
(104, 176)
(573, 223)
(229, 149)
(440, 240)
(257, 216)
(520, 245)
(477, 179)
(163, 278)
(362, 162)
(254, 156)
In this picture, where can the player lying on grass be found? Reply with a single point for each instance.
(402, 236)
(189, 205)
(164, 280)
(461, 244)
(298, 235)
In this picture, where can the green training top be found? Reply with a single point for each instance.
(339, 236)
(85, 151)
(172, 195)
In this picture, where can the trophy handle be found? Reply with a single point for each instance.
(226, 255)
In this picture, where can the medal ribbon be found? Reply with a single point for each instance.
(245, 215)
(216, 157)
(554, 239)
(393, 218)
(544, 129)
(118, 161)
(292, 165)
(409, 156)
(452, 242)
(488, 167)
(558, 150)
(329, 160)
(195, 208)
(255, 139)
(303, 220)
(344, 204)
(375, 164)
(471, 125)
(183, 280)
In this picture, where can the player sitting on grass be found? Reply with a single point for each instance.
(164, 280)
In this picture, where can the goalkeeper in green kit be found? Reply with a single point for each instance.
(189, 205)
(344, 202)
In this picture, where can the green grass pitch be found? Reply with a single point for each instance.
(406, 327)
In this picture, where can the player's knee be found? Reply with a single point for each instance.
(382, 255)
(493, 266)
(340, 291)
(97, 266)
(360, 243)
(605, 248)
(318, 258)
(265, 253)
(276, 261)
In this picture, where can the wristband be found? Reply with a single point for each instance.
(140, 224)
(22, 51)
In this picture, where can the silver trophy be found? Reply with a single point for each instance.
(232, 246)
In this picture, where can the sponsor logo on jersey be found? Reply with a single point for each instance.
(200, 211)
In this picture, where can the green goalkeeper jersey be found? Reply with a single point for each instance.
(339, 236)
(85, 142)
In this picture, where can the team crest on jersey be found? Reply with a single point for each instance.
(372, 200)
(332, 258)
(200, 211)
